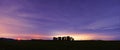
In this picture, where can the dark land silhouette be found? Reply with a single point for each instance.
(64, 44)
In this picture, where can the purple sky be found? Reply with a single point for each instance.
(47, 18)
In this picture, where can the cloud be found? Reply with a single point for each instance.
(21, 16)
(27, 16)
(9, 22)
(104, 23)
(13, 25)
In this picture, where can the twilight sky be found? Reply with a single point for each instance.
(81, 19)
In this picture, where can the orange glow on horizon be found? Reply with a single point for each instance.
(18, 39)
(78, 37)
(23, 36)
(85, 36)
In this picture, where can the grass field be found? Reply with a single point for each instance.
(59, 45)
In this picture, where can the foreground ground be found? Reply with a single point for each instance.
(59, 45)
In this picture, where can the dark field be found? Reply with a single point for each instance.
(59, 45)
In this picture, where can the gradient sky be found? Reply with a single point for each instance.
(81, 19)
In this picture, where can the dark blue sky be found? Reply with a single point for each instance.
(46, 18)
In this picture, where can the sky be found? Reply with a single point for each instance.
(44, 19)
